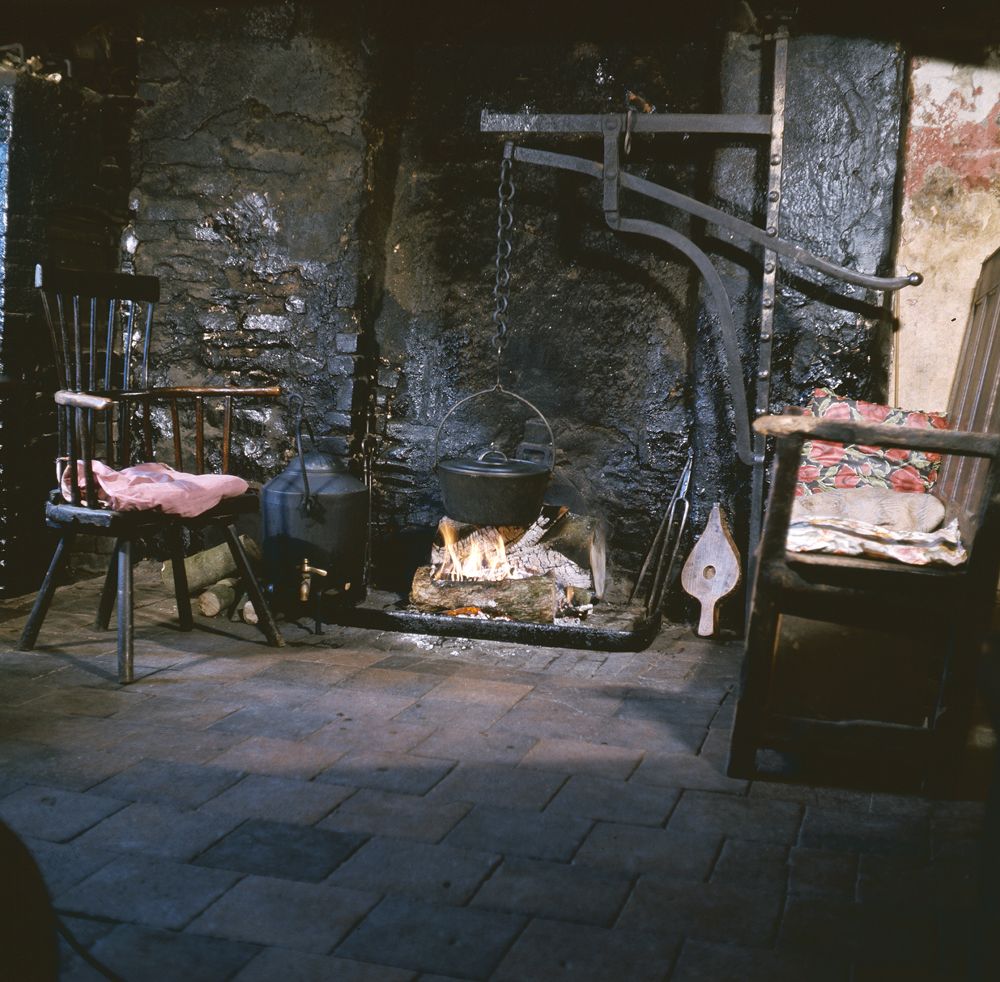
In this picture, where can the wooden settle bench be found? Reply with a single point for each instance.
(950, 606)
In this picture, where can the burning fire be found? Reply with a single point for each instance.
(485, 555)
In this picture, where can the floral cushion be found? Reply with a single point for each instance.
(826, 466)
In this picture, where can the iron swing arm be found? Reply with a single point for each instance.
(750, 447)
(611, 127)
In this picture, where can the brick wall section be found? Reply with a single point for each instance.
(249, 164)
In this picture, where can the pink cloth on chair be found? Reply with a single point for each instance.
(151, 486)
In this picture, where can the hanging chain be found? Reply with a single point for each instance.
(505, 224)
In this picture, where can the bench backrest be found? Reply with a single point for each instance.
(974, 403)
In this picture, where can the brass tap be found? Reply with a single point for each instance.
(308, 572)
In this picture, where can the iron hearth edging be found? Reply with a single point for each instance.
(519, 632)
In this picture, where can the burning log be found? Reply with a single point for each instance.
(532, 598)
(570, 548)
(582, 541)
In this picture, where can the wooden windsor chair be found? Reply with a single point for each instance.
(101, 326)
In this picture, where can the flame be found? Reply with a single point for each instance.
(485, 556)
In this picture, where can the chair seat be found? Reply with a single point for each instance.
(832, 566)
(861, 591)
(60, 514)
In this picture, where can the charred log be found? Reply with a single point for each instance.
(534, 598)
(568, 547)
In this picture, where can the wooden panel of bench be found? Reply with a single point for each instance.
(974, 403)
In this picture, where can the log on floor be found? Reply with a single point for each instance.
(534, 598)
(218, 597)
(211, 565)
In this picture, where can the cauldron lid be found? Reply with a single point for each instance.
(494, 464)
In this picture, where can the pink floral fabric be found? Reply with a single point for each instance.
(156, 486)
(827, 466)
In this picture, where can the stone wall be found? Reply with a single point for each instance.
(314, 192)
(599, 324)
(250, 165)
(844, 105)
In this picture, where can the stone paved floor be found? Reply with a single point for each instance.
(367, 806)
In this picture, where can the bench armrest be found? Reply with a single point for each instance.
(802, 428)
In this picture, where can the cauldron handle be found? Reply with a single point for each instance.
(482, 392)
(308, 503)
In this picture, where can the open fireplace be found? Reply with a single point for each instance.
(345, 249)
(635, 377)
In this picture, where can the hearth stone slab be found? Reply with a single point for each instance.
(400, 816)
(152, 892)
(552, 950)
(136, 952)
(309, 917)
(606, 629)
(561, 891)
(282, 963)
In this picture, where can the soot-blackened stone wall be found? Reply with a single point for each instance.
(250, 187)
(599, 324)
(315, 193)
(844, 107)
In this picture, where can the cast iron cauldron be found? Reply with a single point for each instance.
(492, 489)
(315, 521)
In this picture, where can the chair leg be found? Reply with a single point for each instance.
(266, 621)
(755, 684)
(126, 632)
(41, 606)
(107, 600)
(180, 577)
(957, 704)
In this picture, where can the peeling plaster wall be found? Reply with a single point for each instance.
(950, 218)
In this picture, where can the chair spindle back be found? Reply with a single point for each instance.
(101, 328)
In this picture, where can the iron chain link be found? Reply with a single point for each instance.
(501, 287)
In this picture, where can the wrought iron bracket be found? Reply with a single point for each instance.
(751, 448)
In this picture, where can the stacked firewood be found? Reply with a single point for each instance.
(557, 566)
(212, 580)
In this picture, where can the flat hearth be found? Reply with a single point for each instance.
(607, 628)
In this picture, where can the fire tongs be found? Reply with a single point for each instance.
(665, 548)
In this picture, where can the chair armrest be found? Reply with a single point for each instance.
(194, 397)
(82, 400)
(194, 391)
(800, 428)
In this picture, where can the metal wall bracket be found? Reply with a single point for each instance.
(750, 447)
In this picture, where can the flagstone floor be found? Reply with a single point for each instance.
(366, 806)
